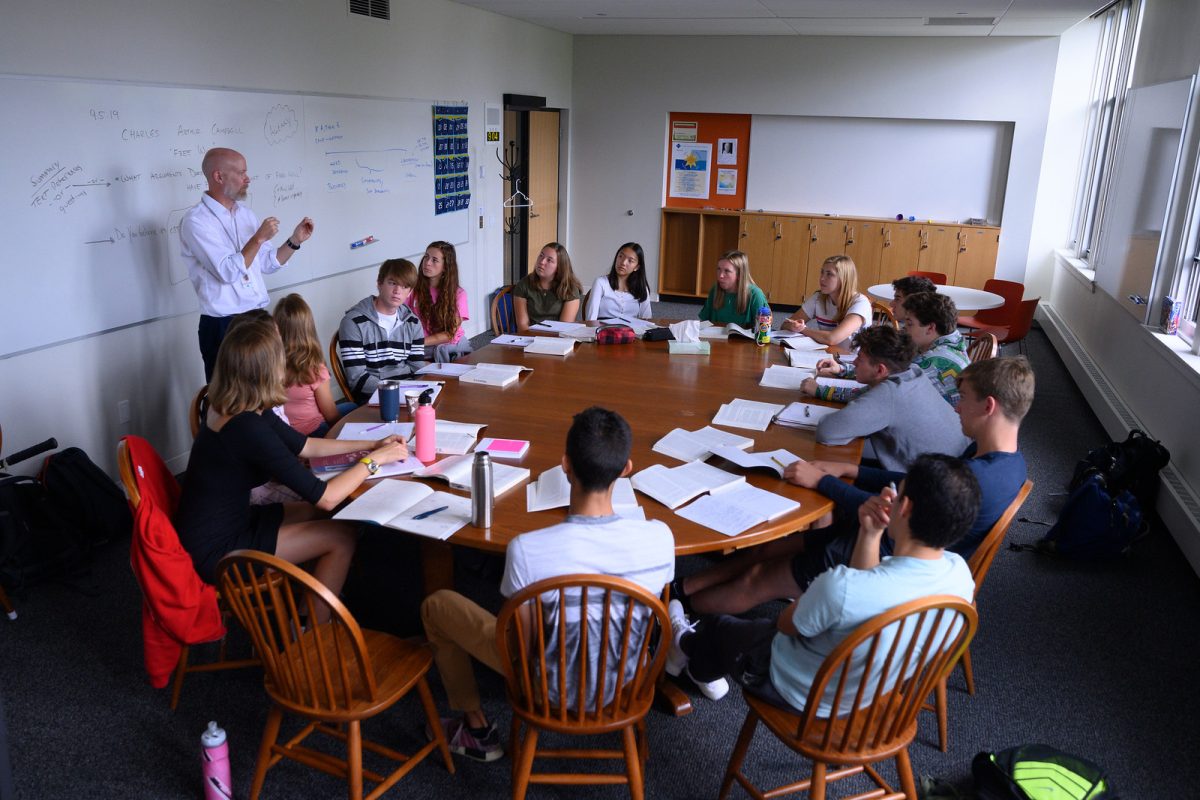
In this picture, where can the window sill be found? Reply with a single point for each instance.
(1077, 268)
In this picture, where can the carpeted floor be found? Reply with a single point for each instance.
(1092, 658)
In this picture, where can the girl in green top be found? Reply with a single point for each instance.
(735, 297)
(551, 291)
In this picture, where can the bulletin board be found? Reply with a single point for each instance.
(708, 156)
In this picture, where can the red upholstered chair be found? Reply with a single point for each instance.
(937, 277)
(1001, 316)
(178, 608)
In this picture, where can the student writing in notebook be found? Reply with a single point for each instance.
(735, 297)
(624, 290)
(837, 309)
(592, 539)
(551, 291)
(380, 338)
(441, 304)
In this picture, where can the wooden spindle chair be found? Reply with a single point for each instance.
(881, 314)
(198, 411)
(335, 366)
(982, 347)
(504, 319)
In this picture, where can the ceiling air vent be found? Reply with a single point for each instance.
(934, 22)
(378, 9)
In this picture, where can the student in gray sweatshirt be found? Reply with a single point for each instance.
(901, 414)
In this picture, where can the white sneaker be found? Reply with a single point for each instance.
(677, 660)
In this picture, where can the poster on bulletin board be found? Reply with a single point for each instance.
(707, 159)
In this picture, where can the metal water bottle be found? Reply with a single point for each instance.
(483, 497)
(214, 759)
(762, 332)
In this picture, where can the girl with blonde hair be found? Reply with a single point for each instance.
(837, 310)
(735, 297)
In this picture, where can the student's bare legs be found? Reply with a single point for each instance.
(759, 583)
(305, 534)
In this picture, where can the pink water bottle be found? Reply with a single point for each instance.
(214, 757)
(425, 428)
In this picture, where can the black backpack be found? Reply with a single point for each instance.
(86, 497)
(37, 543)
(1036, 771)
(1129, 466)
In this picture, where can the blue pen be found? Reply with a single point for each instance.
(430, 512)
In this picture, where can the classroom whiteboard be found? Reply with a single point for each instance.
(946, 170)
(104, 172)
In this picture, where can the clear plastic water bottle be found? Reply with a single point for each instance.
(762, 332)
(483, 496)
(214, 759)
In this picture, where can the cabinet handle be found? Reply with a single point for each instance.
(849, 230)
(778, 231)
(533, 216)
(962, 242)
(887, 237)
(812, 232)
(924, 240)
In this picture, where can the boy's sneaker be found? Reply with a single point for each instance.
(486, 747)
(677, 660)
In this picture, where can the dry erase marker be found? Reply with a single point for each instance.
(363, 242)
(430, 512)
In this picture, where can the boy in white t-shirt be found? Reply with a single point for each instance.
(381, 338)
(591, 540)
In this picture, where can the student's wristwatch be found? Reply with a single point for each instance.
(370, 464)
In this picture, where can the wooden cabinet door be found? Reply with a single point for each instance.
(864, 244)
(939, 249)
(679, 253)
(827, 237)
(976, 261)
(901, 250)
(791, 260)
(757, 240)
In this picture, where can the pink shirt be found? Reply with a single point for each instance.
(461, 302)
(301, 407)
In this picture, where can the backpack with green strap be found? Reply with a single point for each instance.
(1038, 772)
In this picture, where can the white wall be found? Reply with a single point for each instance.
(624, 88)
(431, 49)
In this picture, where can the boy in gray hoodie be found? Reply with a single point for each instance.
(381, 338)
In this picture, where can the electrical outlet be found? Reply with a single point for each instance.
(123, 411)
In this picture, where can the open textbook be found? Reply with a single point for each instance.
(456, 470)
(802, 415)
(777, 377)
(411, 507)
(553, 490)
(775, 460)
(725, 331)
(674, 486)
(736, 508)
(699, 444)
(806, 359)
(747, 414)
(489, 374)
(555, 326)
(802, 343)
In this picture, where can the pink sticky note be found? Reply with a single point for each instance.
(506, 445)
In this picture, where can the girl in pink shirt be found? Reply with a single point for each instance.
(310, 407)
(441, 304)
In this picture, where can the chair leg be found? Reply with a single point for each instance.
(939, 694)
(739, 753)
(816, 789)
(633, 766)
(180, 671)
(270, 734)
(7, 605)
(968, 673)
(904, 769)
(354, 759)
(435, 725)
(525, 767)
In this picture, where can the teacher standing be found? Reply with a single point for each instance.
(227, 251)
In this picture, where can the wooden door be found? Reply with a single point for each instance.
(827, 237)
(791, 259)
(756, 238)
(976, 261)
(543, 182)
(901, 250)
(864, 244)
(939, 249)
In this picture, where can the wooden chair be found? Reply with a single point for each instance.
(1022, 321)
(198, 411)
(980, 562)
(1001, 316)
(881, 314)
(881, 719)
(584, 693)
(335, 366)
(504, 319)
(982, 347)
(938, 278)
(335, 674)
(148, 482)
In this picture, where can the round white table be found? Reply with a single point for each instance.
(964, 297)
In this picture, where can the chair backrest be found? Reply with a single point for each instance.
(605, 675)
(1021, 321)
(938, 278)
(318, 669)
(881, 314)
(908, 650)
(1001, 316)
(504, 318)
(982, 347)
(145, 475)
(335, 365)
(981, 560)
(198, 411)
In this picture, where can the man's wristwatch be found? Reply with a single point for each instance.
(292, 244)
(370, 464)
